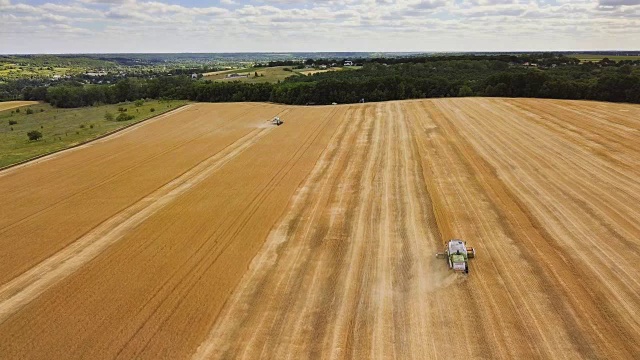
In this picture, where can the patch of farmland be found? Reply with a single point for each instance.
(8, 105)
(62, 128)
(248, 75)
(211, 233)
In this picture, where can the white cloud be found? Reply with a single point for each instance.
(492, 2)
(304, 25)
(619, 2)
(428, 4)
(68, 9)
(107, 1)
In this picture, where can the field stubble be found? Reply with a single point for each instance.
(138, 252)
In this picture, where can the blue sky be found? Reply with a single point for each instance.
(90, 26)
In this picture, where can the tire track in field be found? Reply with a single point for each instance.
(608, 139)
(386, 299)
(309, 286)
(336, 282)
(585, 208)
(201, 265)
(458, 214)
(425, 238)
(347, 269)
(305, 206)
(382, 291)
(619, 180)
(327, 250)
(523, 289)
(22, 289)
(335, 254)
(352, 285)
(355, 315)
(572, 300)
(587, 188)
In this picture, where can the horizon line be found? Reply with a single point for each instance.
(335, 52)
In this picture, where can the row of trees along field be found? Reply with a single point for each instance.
(383, 79)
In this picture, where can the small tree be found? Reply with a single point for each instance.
(34, 135)
(108, 116)
(12, 122)
(465, 90)
(29, 111)
(124, 117)
(152, 109)
(139, 103)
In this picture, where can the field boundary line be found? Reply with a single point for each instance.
(2, 230)
(3, 170)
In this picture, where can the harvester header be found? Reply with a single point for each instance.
(457, 254)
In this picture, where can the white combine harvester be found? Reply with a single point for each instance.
(276, 121)
(457, 254)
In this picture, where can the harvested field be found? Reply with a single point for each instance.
(209, 233)
(8, 105)
(217, 72)
(265, 74)
(314, 71)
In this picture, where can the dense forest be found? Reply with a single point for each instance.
(540, 76)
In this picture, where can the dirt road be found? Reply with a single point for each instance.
(132, 247)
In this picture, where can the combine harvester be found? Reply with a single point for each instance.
(276, 121)
(458, 255)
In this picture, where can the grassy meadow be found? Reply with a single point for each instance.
(265, 74)
(596, 58)
(62, 128)
(268, 74)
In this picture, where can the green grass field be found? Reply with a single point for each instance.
(592, 57)
(271, 74)
(62, 128)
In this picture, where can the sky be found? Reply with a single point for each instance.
(139, 26)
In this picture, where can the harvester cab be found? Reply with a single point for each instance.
(276, 121)
(457, 254)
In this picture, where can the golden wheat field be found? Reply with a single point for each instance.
(211, 233)
(8, 105)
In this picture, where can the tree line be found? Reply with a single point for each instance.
(430, 77)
